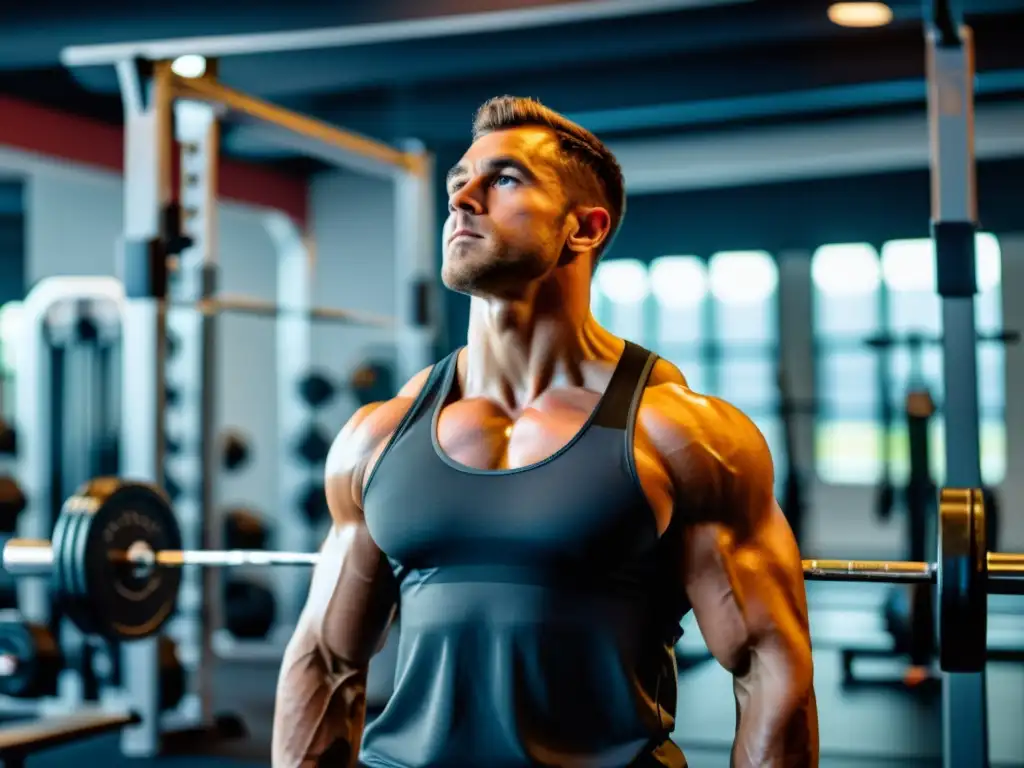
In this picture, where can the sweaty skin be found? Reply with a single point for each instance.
(534, 368)
(741, 569)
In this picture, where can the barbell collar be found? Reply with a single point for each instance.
(28, 557)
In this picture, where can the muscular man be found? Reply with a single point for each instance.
(544, 505)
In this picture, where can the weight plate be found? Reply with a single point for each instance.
(62, 541)
(962, 581)
(57, 540)
(128, 602)
(36, 658)
(87, 500)
(80, 609)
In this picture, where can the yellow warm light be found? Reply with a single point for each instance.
(860, 14)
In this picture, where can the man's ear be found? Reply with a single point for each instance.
(589, 227)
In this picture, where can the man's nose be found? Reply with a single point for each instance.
(466, 198)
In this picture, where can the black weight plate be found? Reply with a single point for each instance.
(57, 541)
(63, 553)
(126, 603)
(80, 508)
(80, 607)
(962, 581)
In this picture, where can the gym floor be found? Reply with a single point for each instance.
(876, 726)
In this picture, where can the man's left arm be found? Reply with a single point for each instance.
(742, 572)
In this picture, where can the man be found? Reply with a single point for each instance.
(544, 505)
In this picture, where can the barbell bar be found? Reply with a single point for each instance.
(115, 561)
(34, 557)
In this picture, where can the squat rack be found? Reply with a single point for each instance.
(950, 71)
(167, 258)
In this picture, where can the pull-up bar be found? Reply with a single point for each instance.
(320, 139)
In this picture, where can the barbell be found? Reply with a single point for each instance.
(116, 555)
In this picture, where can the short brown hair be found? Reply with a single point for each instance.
(591, 168)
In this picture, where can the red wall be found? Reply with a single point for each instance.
(59, 135)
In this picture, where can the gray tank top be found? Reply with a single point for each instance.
(538, 606)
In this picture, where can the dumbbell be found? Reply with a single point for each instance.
(249, 609)
(244, 529)
(312, 446)
(31, 661)
(312, 501)
(12, 504)
(8, 438)
(235, 450)
(371, 381)
(30, 658)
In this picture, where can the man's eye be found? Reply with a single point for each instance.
(505, 180)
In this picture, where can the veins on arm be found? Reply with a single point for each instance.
(321, 697)
(741, 570)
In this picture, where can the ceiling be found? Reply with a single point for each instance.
(624, 68)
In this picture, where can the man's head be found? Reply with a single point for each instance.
(533, 192)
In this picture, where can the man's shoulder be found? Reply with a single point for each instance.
(373, 423)
(674, 407)
(704, 439)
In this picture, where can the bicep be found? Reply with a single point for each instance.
(747, 590)
(352, 595)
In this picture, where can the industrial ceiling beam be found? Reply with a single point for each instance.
(380, 32)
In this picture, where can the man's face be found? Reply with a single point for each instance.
(507, 214)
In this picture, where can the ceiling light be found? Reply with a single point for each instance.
(190, 65)
(860, 14)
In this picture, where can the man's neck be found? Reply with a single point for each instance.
(518, 349)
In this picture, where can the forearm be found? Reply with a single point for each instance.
(777, 721)
(319, 711)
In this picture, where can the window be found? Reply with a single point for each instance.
(847, 309)
(678, 318)
(744, 332)
(716, 319)
(860, 293)
(621, 287)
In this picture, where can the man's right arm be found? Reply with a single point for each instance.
(321, 693)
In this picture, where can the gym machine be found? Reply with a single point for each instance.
(64, 414)
(66, 408)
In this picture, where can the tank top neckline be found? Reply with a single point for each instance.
(441, 400)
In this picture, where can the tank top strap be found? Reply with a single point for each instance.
(435, 387)
(618, 405)
(436, 384)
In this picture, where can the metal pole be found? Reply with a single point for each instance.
(415, 265)
(295, 274)
(950, 67)
(148, 212)
(193, 371)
